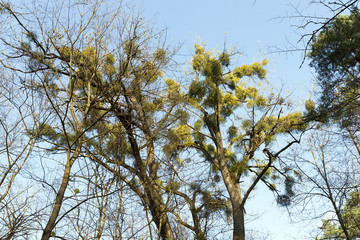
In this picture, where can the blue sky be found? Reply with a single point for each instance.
(257, 29)
(252, 26)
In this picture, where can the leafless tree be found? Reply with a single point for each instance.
(329, 168)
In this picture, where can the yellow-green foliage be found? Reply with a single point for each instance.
(198, 124)
(110, 59)
(232, 132)
(210, 148)
(159, 182)
(231, 78)
(46, 130)
(25, 46)
(309, 105)
(230, 99)
(160, 54)
(182, 115)
(179, 162)
(240, 92)
(150, 107)
(173, 88)
(292, 121)
(87, 66)
(218, 91)
(260, 101)
(213, 97)
(174, 94)
(251, 92)
(131, 48)
(200, 58)
(229, 155)
(239, 166)
(246, 124)
(150, 72)
(266, 129)
(108, 65)
(179, 138)
(198, 137)
(183, 133)
(66, 53)
(209, 91)
(199, 49)
(212, 70)
(350, 216)
(197, 90)
(172, 186)
(254, 69)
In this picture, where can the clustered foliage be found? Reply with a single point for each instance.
(121, 148)
(234, 125)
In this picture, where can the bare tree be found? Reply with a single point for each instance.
(328, 165)
(17, 116)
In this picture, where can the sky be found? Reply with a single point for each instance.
(254, 27)
(258, 29)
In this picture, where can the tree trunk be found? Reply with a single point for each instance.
(59, 197)
(238, 216)
(199, 235)
(231, 184)
(234, 191)
(154, 198)
(158, 211)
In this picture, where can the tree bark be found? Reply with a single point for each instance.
(238, 215)
(233, 189)
(59, 196)
(159, 214)
(154, 199)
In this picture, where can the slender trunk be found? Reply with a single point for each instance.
(341, 221)
(59, 197)
(10, 235)
(338, 212)
(353, 139)
(199, 235)
(237, 209)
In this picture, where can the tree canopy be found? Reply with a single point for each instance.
(335, 56)
(234, 125)
(117, 145)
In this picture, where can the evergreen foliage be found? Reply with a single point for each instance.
(336, 58)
